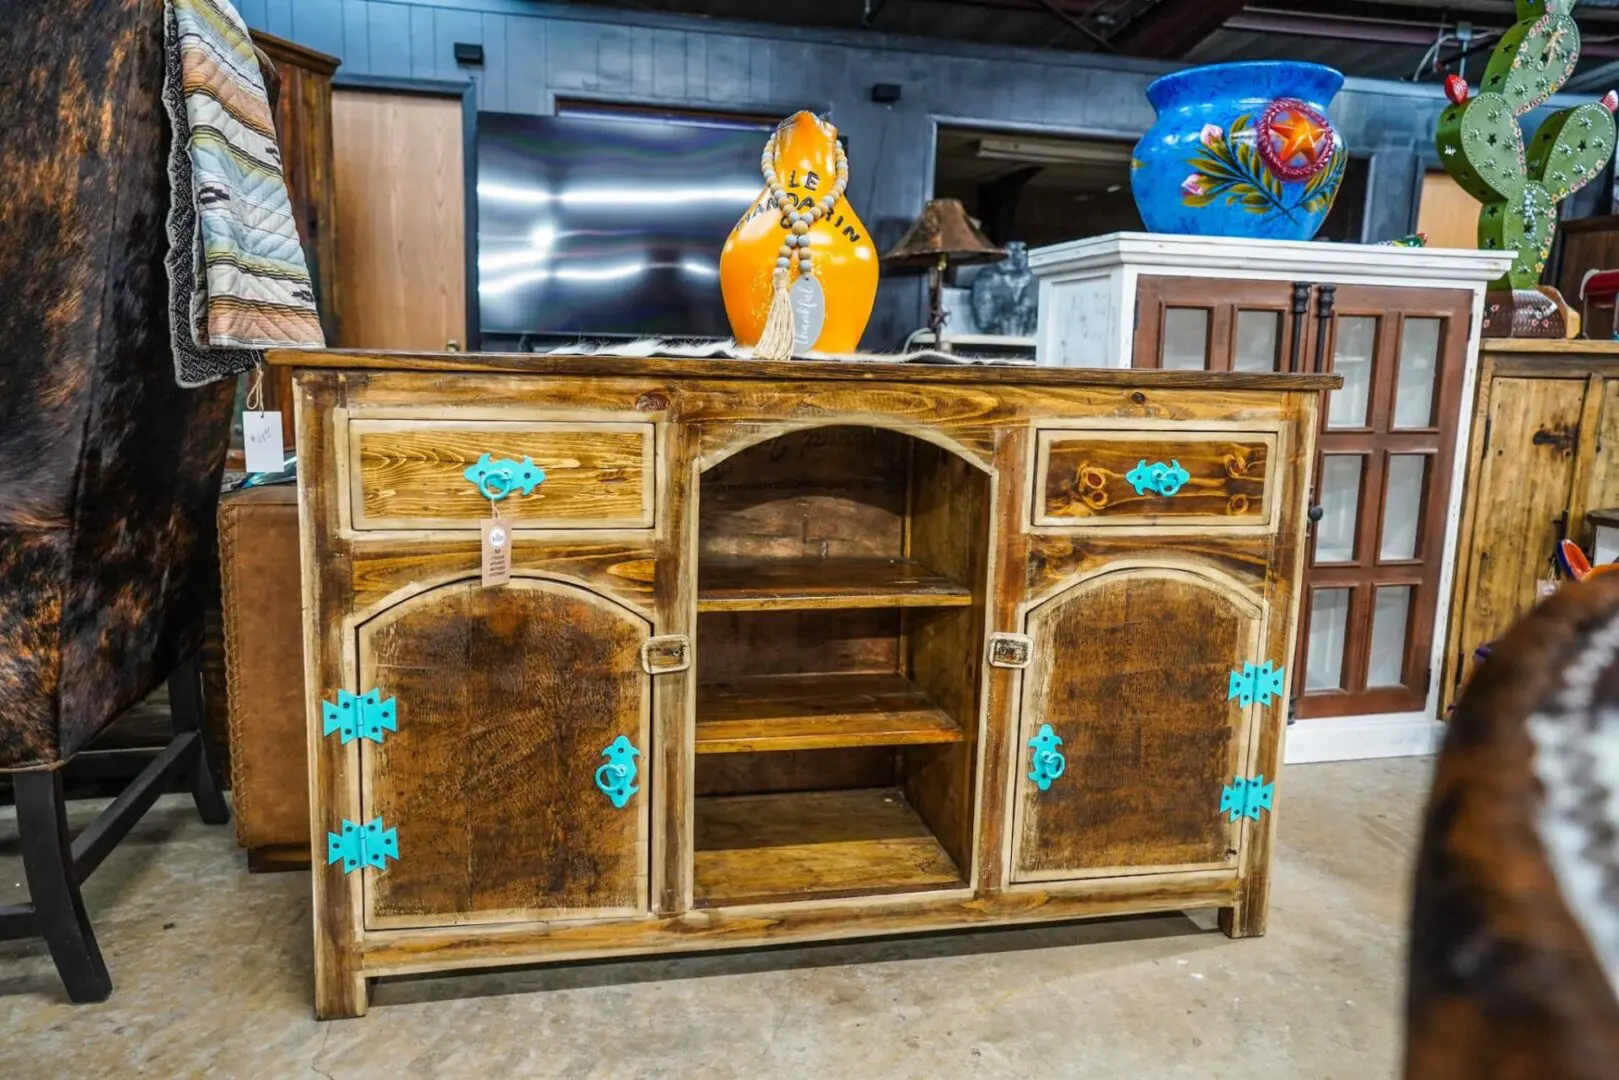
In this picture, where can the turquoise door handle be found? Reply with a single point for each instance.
(616, 779)
(497, 479)
(1047, 762)
(1158, 478)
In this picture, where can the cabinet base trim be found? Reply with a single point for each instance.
(1353, 738)
(459, 948)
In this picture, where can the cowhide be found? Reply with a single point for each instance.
(109, 472)
(1514, 957)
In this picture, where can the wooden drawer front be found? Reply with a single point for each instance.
(1083, 477)
(410, 474)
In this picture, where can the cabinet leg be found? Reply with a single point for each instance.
(340, 994)
(1247, 917)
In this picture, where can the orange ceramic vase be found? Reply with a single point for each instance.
(843, 259)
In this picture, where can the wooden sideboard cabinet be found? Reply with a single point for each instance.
(790, 651)
(1542, 456)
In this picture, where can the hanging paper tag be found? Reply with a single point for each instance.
(1545, 587)
(497, 551)
(261, 438)
(809, 312)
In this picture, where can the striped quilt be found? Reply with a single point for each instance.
(238, 282)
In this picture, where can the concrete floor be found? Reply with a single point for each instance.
(211, 975)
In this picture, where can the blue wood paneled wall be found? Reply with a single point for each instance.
(535, 53)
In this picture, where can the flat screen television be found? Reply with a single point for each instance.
(602, 225)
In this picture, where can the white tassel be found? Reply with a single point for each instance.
(776, 343)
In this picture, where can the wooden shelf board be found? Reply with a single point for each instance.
(818, 712)
(814, 845)
(731, 583)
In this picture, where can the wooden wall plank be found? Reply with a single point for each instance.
(356, 36)
(450, 27)
(254, 13)
(528, 65)
(317, 24)
(422, 54)
(389, 40)
(278, 17)
(492, 85)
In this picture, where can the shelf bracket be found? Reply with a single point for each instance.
(1010, 650)
(666, 655)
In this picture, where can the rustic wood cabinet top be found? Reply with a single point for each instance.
(788, 370)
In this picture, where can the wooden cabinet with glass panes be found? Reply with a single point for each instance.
(1400, 325)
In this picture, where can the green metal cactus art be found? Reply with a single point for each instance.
(1481, 145)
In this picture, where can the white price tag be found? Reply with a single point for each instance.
(497, 551)
(261, 437)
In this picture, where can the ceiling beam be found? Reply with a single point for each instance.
(1172, 28)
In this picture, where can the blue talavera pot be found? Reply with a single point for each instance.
(1240, 150)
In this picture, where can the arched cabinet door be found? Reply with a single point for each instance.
(506, 700)
(1131, 670)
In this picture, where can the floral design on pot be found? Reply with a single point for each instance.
(1240, 150)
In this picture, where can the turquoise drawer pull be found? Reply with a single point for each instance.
(497, 479)
(1158, 478)
(616, 779)
(1047, 762)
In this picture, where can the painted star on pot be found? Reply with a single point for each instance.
(1295, 142)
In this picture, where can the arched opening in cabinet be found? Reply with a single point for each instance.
(841, 589)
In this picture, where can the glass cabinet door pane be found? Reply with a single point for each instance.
(1352, 358)
(1402, 507)
(1186, 339)
(1329, 623)
(1258, 334)
(1386, 666)
(1340, 503)
(1419, 360)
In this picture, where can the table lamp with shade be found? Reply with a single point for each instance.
(943, 236)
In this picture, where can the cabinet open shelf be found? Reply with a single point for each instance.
(731, 583)
(814, 845)
(818, 712)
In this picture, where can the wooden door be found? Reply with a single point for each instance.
(1447, 214)
(401, 219)
(1132, 671)
(506, 700)
(1524, 483)
(1210, 324)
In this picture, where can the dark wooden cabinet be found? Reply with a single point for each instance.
(891, 648)
(1587, 244)
(303, 128)
(1386, 452)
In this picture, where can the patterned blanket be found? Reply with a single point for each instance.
(238, 282)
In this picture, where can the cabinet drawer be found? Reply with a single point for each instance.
(1128, 478)
(411, 474)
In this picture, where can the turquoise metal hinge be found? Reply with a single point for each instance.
(1256, 683)
(364, 717)
(1047, 762)
(1158, 478)
(616, 779)
(1246, 798)
(362, 845)
(497, 479)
